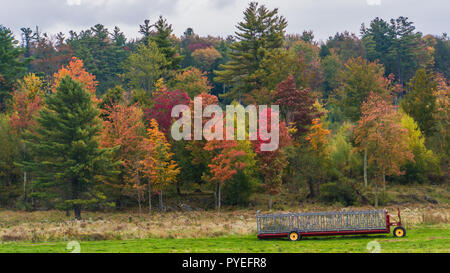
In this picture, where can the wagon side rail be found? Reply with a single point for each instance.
(323, 221)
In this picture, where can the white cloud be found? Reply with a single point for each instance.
(73, 2)
(219, 17)
(373, 2)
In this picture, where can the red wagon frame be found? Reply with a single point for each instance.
(299, 234)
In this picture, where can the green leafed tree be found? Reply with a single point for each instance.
(68, 163)
(358, 78)
(420, 102)
(144, 67)
(426, 163)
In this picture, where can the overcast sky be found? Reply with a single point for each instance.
(219, 17)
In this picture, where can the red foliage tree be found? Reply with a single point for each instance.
(272, 163)
(296, 105)
(162, 108)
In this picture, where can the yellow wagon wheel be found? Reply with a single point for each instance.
(294, 236)
(399, 232)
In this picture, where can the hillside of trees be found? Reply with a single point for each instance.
(85, 117)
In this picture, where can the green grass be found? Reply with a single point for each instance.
(419, 239)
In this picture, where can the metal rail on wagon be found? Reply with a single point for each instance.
(297, 225)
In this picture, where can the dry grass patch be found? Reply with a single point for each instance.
(44, 226)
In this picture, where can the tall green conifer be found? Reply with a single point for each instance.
(68, 162)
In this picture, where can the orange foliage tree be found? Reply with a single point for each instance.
(318, 136)
(380, 132)
(77, 72)
(229, 159)
(123, 128)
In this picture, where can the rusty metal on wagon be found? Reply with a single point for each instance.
(297, 225)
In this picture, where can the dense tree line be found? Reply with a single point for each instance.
(85, 119)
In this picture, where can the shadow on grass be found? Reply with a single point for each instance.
(328, 238)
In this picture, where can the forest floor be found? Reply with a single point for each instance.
(232, 230)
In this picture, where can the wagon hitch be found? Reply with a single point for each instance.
(399, 222)
(399, 230)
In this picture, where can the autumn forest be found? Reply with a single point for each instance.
(85, 117)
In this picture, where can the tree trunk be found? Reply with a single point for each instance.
(75, 196)
(218, 201)
(24, 177)
(24, 187)
(216, 195)
(365, 167)
(149, 198)
(384, 179)
(161, 206)
(312, 193)
(139, 204)
(77, 212)
(31, 193)
(376, 193)
(270, 203)
(138, 191)
(139, 201)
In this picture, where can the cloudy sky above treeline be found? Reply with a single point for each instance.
(219, 17)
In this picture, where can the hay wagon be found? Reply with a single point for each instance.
(297, 225)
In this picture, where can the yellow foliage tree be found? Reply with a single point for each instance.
(318, 137)
(158, 166)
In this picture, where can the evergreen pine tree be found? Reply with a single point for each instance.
(261, 32)
(165, 45)
(67, 159)
(12, 66)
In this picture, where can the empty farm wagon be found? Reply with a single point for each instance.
(297, 225)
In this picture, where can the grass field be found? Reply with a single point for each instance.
(422, 238)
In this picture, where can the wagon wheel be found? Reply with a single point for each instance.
(294, 236)
(399, 232)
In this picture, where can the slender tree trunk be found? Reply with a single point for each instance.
(219, 201)
(365, 167)
(216, 195)
(31, 193)
(376, 192)
(24, 187)
(140, 191)
(139, 205)
(77, 212)
(75, 196)
(149, 198)
(270, 202)
(312, 193)
(161, 206)
(384, 179)
(24, 177)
